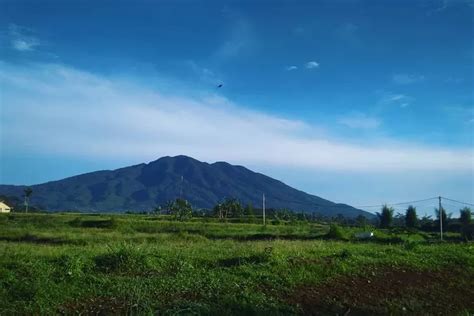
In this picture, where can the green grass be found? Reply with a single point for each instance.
(130, 264)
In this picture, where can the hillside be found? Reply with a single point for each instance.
(142, 187)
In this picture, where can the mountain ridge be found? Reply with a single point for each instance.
(143, 186)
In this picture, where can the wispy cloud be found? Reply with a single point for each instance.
(76, 113)
(240, 40)
(311, 65)
(359, 121)
(396, 99)
(442, 5)
(22, 38)
(290, 68)
(407, 78)
(204, 74)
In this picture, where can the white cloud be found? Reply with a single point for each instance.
(442, 5)
(360, 121)
(22, 38)
(24, 45)
(290, 68)
(80, 114)
(407, 78)
(398, 99)
(311, 65)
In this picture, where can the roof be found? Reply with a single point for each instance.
(3, 204)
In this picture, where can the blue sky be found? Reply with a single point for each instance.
(362, 102)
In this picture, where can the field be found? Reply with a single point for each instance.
(137, 264)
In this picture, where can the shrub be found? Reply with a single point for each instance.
(125, 258)
(108, 223)
(70, 266)
(467, 232)
(337, 232)
(410, 245)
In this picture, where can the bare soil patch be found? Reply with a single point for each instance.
(395, 291)
(98, 306)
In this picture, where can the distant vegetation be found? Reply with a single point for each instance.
(231, 210)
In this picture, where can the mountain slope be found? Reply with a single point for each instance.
(144, 186)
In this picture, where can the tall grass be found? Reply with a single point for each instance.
(121, 264)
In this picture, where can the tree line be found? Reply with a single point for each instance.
(410, 220)
(233, 209)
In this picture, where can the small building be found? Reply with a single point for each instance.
(4, 208)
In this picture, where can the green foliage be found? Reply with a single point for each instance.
(361, 221)
(249, 213)
(228, 208)
(153, 265)
(444, 217)
(88, 223)
(180, 209)
(411, 219)
(465, 216)
(27, 194)
(467, 229)
(123, 258)
(386, 216)
(337, 232)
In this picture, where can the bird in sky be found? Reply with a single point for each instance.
(220, 85)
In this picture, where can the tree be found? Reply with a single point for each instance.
(228, 208)
(386, 216)
(361, 220)
(411, 219)
(399, 220)
(180, 209)
(249, 213)
(340, 219)
(27, 194)
(465, 217)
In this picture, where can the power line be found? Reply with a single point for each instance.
(337, 205)
(465, 203)
(398, 203)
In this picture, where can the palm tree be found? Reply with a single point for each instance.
(28, 192)
(386, 216)
(411, 220)
(465, 217)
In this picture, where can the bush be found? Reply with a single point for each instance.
(70, 266)
(467, 232)
(125, 258)
(337, 232)
(410, 245)
(108, 223)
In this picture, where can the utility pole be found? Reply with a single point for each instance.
(440, 218)
(263, 208)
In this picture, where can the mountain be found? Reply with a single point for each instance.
(144, 186)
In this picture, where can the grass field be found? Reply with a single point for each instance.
(137, 264)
